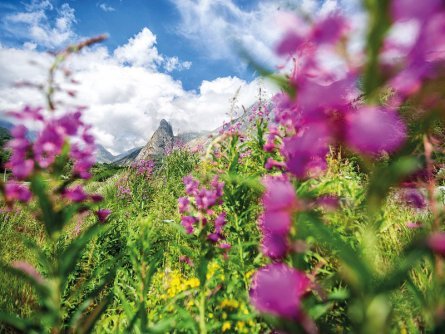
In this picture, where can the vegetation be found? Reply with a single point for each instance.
(326, 219)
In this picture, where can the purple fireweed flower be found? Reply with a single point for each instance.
(28, 113)
(279, 194)
(76, 194)
(220, 221)
(186, 259)
(191, 185)
(214, 237)
(306, 153)
(96, 198)
(183, 204)
(437, 243)
(413, 9)
(224, 245)
(71, 123)
(279, 202)
(278, 289)
(271, 163)
(372, 130)
(28, 270)
(187, 222)
(274, 245)
(328, 202)
(102, 214)
(414, 225)
(414, 198)
(16, 191)
(49, 144)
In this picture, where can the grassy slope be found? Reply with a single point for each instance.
(153, 204)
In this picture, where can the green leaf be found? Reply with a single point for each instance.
(49, 216)
(384, 177)
(379, 23)
(88, 322)
(69, 257)
(359, 274)
(16, 322)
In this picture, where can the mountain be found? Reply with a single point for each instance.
(126, 158)
(102, 155)
(159, 144)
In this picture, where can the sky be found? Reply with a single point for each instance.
(174, 59)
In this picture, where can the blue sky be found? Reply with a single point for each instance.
(164, 59)
(121, 19)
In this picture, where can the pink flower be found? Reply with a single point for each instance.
(372, 130)
(186, 260)
(183, 204)
(76, 194)
(278, 289)
(274, 245)
(102, 214)
(271, 163)
(414, 9)
(414, 198)
(17, 191)
(437, 243)
(279, 194)
(187, 222)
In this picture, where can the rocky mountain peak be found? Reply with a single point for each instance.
(161, 142)
(164, 125)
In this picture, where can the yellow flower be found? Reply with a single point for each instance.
(241, 327)
(226, 326)
(229, 303)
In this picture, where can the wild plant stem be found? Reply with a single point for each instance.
(202, 305)
(431, 187)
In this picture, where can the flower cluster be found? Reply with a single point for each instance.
(143, 167)
(58, 135)
(326, 110)
(279, 202)
(197, 209)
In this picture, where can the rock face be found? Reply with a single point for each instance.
(102, 155)
(160, 143)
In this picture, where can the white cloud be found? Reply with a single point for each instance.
(34, 24)
(126, 93)
(106, 8)
(173, 63)
(219, 27)
(140, 51)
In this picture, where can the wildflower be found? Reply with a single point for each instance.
(76, 194)
(186, 259)
(102, 214)
(226, 326)
(278, 289)
(372, 130)
(17, 191)
(183, 204)
(437, 243)
(414, 198)
(271, 163)
(191, 185)
(187, 222)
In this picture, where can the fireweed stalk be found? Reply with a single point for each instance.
(38, 171)
(200, 218)
(321, 107)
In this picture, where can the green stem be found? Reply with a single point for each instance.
(202, 305)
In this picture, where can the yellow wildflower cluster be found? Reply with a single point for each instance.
(175, 283)
(229, 303)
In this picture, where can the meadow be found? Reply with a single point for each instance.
(322, 213)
